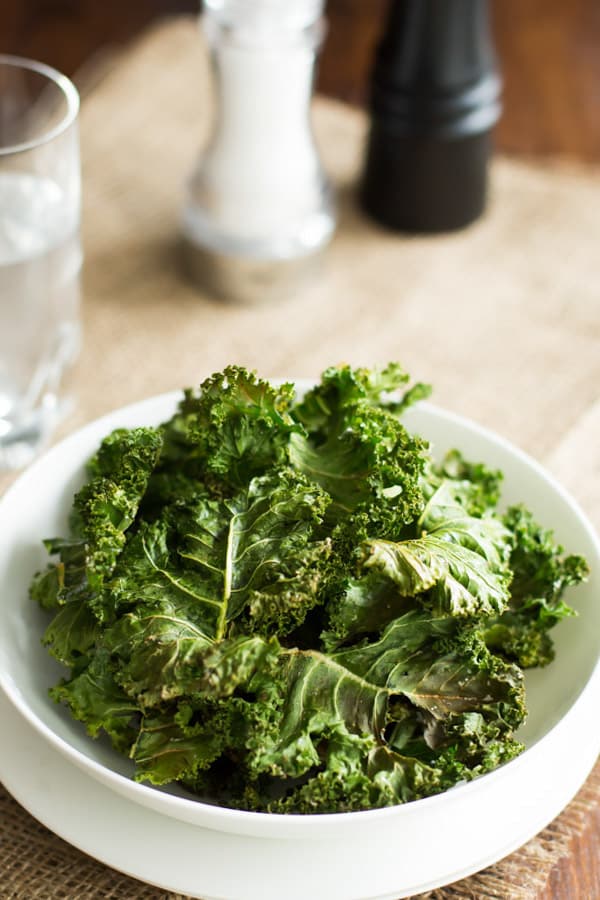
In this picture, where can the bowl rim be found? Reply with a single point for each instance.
(222, 818)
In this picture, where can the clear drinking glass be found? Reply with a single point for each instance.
(40, 252)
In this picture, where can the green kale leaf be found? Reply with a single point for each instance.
(541, 575)
(289, 605)
(234, 428)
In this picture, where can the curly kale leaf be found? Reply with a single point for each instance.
(235, 427)
(158, 651)
(461, 581)
(357, 450)
(96, 699)
(445, 517)
(103, 510)
(441, 669)
(72, 633)
(254, 553)
(65, 580)
(341, 712)
(456, 564)
(541, 575)
(184, 580)
(261, 551)
(165, 752)
(202, 743)
(105, 507)
(162, 658)
(343, 388)
(476, 486)
(327, 749)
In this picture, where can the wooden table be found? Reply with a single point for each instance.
(504, 319)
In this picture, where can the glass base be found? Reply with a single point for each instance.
(22, 441)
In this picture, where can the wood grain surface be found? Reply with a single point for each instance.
(549, 52)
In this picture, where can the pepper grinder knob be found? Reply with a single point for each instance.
(435, 97)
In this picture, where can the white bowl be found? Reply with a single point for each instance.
(379, 853)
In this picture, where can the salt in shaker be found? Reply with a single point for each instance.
(259, 205)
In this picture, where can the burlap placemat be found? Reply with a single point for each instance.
(503, 318)
(37, 865)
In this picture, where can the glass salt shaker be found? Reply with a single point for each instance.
(259, 206)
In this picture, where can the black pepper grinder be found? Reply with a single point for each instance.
(435, 97)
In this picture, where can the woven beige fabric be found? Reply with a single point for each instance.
(503, 318)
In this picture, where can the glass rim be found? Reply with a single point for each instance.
(63, 83)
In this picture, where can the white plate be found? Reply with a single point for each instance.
(379, 853)
(194, 861)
